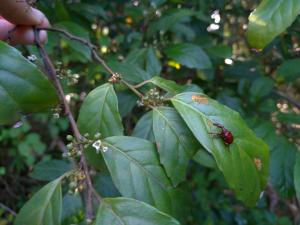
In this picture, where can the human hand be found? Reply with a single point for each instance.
(16, 20)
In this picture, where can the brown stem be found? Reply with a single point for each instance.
(12, 212)
(141, 84)
(50, 70)
(90, 45)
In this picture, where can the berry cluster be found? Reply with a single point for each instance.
(152, 98)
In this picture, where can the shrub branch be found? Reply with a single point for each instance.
(50, 70)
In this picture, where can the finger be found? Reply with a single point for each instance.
(20, 13)
(21, 35)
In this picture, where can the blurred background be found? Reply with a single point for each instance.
(136, 37)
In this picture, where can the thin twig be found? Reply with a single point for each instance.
(50, 70)
(94, 50)
(8, 209)
(90, 45)
(132, 89)
(141, 84)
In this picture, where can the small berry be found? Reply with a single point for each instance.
(69, 137)
(97, 135)
(70, 146)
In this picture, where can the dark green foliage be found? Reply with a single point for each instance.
(153, 147)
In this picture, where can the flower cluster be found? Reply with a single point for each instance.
(86, 142)
(76, 182)
(152, 98)
(72, 78)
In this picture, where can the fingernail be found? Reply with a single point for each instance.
(38, 15)
(43, 36)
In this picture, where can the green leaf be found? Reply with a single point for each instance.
(297, 176)
(144, 127)
(261, 87)
(175, 143)
(282, 154)
(50, 170)
(125, 211)
(144, 58)
(126, 101)
(23, 88)
(220, 51)
(270, 19)
(189, 55)
(105, 186)
(283, 158)
(99, 113)
(167, 85)
(130, 72)
(136, 171)
(288, 118)
(136, 57)
(247, 157)
(71, 205)
(289, 70)
(153, 65)
(205, 159)
(44, 208)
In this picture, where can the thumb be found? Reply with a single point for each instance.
(20, 13)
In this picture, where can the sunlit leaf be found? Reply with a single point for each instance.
(125, 211)
(44, 208)
(270, 19)
(247, 157)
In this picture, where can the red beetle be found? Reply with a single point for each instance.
(225, 134)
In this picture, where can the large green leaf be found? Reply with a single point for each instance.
(126, 211)
(245, 162)
(297, 176)
(175, 142)
(71, 205)
(50, 170)
(144, 127)
(261, 87)
(167, 85)
(136, 171)
(270, 19)
(189, 55)
(153, 65)
(172, 87)
(129, 98)
(44, 208)
(289, 70)
(144, 58)
(282, 157)
(23, 88)
(205, 159)
(99, 113)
